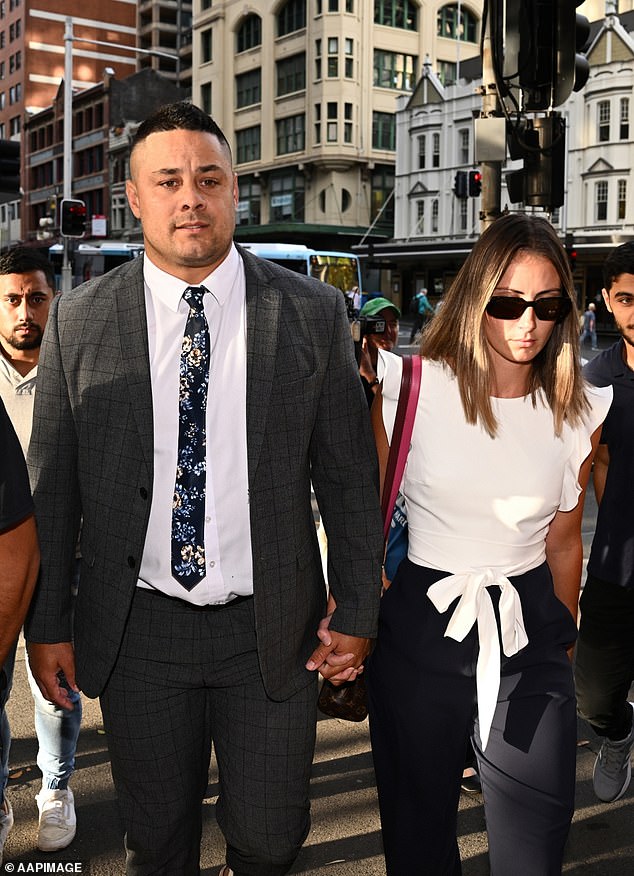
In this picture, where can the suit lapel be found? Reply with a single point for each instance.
(132, 322)
(263, 315)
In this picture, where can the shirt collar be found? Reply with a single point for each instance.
(169, 289)
(13, 375)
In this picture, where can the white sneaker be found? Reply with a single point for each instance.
(6, 823)
(58, 823)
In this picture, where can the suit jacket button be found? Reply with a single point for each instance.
(131, 562)
(143, 493)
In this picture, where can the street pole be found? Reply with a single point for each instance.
(67, 277)
(491, 170)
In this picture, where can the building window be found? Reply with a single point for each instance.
(333, 5)
(248, 88)
(382, 197)
(349, 58)
(2, 36)
(250, 33)
(287, 197)
(291, 74)
(383, 131)
(205, 4)
(422, 148)
(434, 216)
(249, 194)
(205, 46)
(457, 25)
(290, 134)
(464, 214)
(395, 13)
(205, 97)
(248, 145)
(1, 69)
(318, 7)
(333, 57)
(14, 126)
(435, 150)
(622, 202)
(331, 121)
(291, 17)
(419, 227)
(118, 212)
(346, 200)
(603, 121)
(464, 146)
(350, 6)
(347, 125)
(317, 123)
(624, 127)
(601, 201)
(448, 72)
(317, 59)
(394, 70)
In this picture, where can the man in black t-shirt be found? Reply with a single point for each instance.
(19, 553)
(19, 562)
(605, 651)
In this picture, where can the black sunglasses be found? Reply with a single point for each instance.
(548, 309)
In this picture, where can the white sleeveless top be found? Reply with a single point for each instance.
(480, 507)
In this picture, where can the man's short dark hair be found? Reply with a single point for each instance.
(23, 260)
(181, 115)
(620, 261)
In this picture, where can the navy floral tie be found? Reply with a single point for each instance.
(188, 509)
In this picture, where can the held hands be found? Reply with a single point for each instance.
(47, 662)
(338, 658)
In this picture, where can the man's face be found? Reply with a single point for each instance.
(389, 338)
(25, 300)
(184, 191)
(619, 300)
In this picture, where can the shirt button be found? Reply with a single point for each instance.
(207, 519)
(212, 563)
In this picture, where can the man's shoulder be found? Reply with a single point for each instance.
(606, 366)
(97, 290)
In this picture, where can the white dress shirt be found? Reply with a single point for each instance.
(227, 527)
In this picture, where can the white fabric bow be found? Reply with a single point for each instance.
(475, 605)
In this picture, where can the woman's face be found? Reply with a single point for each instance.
(520, 340)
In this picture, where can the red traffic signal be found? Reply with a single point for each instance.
(73, 218)
(475, 183)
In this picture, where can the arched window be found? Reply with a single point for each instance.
(454, 26)
(291, 17)
(250, 33)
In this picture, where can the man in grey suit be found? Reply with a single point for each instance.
(185, 403)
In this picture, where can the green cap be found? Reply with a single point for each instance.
(375, 305)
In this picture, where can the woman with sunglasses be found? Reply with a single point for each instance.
(478, 626)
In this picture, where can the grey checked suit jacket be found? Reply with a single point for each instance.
(91, 456)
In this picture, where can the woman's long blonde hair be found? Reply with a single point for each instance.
(456, 334)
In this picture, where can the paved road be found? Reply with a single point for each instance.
(345, 837)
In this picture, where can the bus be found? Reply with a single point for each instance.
(340, 269)
(93, 259)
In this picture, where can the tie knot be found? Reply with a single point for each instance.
(193, 295)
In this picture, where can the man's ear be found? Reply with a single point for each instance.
(606, 298)
(133, 200)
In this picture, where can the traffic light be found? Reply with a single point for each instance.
(551, 36)
(570, 250)
(460, 187)
(73, 218)
(573, 68)
(541, 144)
(10, 167)
(475, 183)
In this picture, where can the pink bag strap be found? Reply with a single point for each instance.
(401, 436)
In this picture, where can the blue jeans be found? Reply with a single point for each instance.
(57, 732)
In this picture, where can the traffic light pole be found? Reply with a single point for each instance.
(491, 170)
(67, 276)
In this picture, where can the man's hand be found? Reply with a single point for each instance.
(339, 657)
(47, 662)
